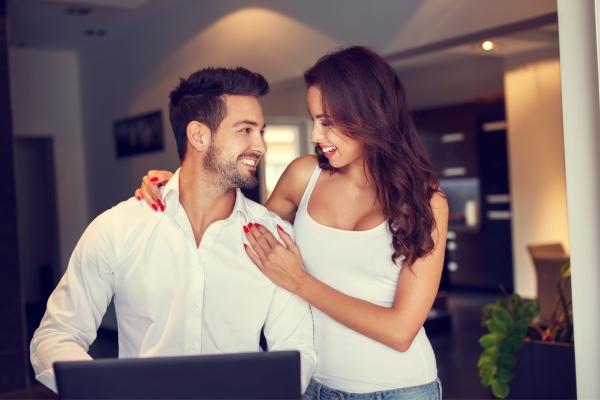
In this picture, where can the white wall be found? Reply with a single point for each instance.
(536, 160)
(461, 81)
(133, 74)
(45, 101)
(579, 25)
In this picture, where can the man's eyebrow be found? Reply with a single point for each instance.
(248, 122)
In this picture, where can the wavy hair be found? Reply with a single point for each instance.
(365, 100)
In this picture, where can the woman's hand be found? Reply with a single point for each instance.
(281, 264)
(149, 189)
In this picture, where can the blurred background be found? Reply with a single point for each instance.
(89, 80)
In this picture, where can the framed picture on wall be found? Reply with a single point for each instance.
(140, 134)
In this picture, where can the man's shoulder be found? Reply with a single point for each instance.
(124, 213)
(259, 213)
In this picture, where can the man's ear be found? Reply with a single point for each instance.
(198, 136)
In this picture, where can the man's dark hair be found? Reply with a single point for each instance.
(200, 98)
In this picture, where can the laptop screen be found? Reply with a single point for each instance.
(263, 375)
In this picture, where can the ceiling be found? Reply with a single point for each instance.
(389, 25)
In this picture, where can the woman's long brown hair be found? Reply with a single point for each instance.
(365, 100)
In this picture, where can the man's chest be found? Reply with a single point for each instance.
(169, 279)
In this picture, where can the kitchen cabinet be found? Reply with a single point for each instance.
(467, 145)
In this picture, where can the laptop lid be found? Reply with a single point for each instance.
(263, 375)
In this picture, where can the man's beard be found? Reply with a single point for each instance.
(227, 171)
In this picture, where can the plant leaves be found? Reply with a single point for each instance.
(565, 271)
(532, 309)
(504, 375)
(502, 315)
(487, 378)
(499, 389)
(515, 341)
(484, 360)
(506, 360)
(515, 302)
(486, 368)
(490, 340)
(491, 352)
(487, 313)
(494, 325)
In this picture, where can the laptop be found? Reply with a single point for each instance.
(263, 375)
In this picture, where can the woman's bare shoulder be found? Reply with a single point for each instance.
(304, 165)
(292, 184)
(297, 174)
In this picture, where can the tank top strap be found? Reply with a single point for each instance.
(309, 188)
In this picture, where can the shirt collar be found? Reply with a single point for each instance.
(170, 196)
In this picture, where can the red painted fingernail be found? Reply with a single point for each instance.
(256, 225)
(250, 225)
(245, 246)
(155, 179)
(280, 228)
(246, 229)
(139, 198)
(161, 205)
(154, 206)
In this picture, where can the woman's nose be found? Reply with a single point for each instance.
(315, 135)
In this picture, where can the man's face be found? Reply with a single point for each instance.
(237, 145)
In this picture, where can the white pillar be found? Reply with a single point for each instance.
(581, 118)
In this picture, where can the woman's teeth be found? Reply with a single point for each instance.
(329, 149)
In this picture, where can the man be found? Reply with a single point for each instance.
(181, 280)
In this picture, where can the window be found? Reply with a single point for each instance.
(286, 140)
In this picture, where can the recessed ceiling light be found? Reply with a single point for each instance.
(487, 45)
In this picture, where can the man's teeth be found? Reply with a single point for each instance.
(246, 161)
(328, 149)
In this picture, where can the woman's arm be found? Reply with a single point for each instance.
(149, 189)
(286, 196)
(396, 326)
(284, 200)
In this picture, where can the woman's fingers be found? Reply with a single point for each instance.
(263, 236)
(147, 197)
(254, 242)
(155, 179)
(149, 190)
(287, 239)
(253, 256)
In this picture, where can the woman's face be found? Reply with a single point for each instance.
(339, 148)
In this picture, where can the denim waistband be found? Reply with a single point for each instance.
(428, 391)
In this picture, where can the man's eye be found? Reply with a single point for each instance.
(246, 130)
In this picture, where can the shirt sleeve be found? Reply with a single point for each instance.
(77, 305)
(289, 326)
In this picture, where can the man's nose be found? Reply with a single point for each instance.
(259, 145)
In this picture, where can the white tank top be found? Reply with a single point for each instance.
(357, 263)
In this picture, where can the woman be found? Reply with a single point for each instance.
(370, 224)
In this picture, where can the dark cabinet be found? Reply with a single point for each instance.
(467, 145)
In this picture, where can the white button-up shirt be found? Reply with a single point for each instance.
(171, 297)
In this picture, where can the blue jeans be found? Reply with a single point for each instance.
(428, 391)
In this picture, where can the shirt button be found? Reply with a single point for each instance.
(195, 306)
(193, 347)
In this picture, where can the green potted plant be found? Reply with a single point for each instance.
(546, 364)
